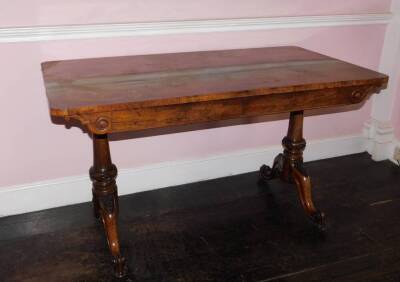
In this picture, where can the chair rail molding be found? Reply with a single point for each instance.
(110, 30)
(379, 130)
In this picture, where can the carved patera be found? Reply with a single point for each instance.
(102, 123)
(360, 94)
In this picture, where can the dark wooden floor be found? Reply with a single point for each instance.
(227, 229)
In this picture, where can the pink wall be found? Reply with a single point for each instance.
(34, 149)
(52, 12)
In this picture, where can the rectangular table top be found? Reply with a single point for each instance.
(179, 78)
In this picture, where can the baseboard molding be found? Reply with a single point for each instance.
(380, 141)
(395, 143)
(73, 190)
(111, 30)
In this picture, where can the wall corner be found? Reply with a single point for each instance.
(380, 141)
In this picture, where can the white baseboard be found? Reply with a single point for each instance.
(395, 143)
(380, 141)
(73, 190)
(112, 30)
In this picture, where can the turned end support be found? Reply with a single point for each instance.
(105, 199)
(289, 168)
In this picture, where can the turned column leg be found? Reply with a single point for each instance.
(95, 203)
(289, 167)
(105, 198)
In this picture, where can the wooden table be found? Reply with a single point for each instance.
(108, 95)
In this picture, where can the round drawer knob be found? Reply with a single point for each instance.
(357, 96)
(102, 123)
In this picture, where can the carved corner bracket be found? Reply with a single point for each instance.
(360, 94)
(95, 123)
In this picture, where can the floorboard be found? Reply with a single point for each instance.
(228, 229)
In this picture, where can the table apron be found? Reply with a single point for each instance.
(136, 119)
